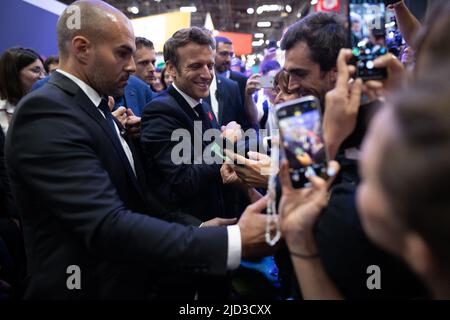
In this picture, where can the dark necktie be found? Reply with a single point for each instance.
(103, 106)
(202, 115)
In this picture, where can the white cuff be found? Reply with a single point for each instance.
(234, 247)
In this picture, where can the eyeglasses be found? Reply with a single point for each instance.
(226, 54)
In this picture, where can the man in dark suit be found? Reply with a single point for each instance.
(224, 54)
(224, 98)
(91, 228)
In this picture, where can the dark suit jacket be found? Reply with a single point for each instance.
(230, 105)
(82, 205)
(241, 79)
(136, 96)
(196, 188)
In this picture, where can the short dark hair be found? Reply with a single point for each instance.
(50, 60)
(12, 61)
(182, 38)
(324, 33)
(143, 42)
(220, 39)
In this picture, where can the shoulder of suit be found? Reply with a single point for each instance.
(238, 75)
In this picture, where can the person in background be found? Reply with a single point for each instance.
(166, 78)
(20, 68)
(157, 85)
(51, 64)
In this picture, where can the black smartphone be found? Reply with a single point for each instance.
(300, 124)
(367, 32)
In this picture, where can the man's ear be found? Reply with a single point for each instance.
(171, 69)
(82, 48)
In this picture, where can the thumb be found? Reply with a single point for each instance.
(355, 95)
(259, 205)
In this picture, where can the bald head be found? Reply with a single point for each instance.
(92, 19)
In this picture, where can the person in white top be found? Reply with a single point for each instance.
(20, 68)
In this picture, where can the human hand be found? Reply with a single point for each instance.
(300, 208)
(232, 131)
(341, 105)
(218, 222)
(253, 84)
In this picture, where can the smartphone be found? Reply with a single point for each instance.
(267, 81)
(300, 124)
(367, 33)
(389, 2)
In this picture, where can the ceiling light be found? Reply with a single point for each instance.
(288, 9)
(133, 9)
(250, 11)
(263, 24)
(314, 2)
(188, 9)
(259, 35)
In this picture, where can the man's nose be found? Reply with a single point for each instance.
(131, 66)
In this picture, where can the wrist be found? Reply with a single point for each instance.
(302, 243)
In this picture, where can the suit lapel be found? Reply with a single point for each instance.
(220, 99)
(86, 104)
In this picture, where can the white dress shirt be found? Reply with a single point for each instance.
(234, 233)
(96, 99)
(6, 112)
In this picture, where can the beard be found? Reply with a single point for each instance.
(102, 82)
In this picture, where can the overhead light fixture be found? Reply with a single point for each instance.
(269, 8)
(288, 9)
(259, 35)
(188, 9)
(314, 2)
(250, 11)
(263, 24)
(299, 14)
(133, 10)
(267, 41)
(258, 43)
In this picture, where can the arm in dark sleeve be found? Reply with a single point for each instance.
(185, 179)
(54, 156)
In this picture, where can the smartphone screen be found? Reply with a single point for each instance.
(301, 134)
(367, 31)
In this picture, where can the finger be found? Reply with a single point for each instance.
(226, 222)
(259, 205)
(130, 112)
(111, 102)
(285, 179)
(389, 61)
(254, 155)
(342, 70)
(355, 95)
(332, 171)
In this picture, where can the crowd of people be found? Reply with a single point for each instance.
(106, 192)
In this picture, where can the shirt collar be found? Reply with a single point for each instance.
(225, 74)
(191, 101)
(87, 89)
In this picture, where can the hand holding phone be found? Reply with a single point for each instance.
(367, 33)
(300, 126)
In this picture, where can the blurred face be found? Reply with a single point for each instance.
(52, 67)
(283, 93)
(195, 70)
(32, 73)
(378, 220)
(168, 78)
(112, 63)
(305, 76)
(224, 54)
(145, 59)
(156, 84)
